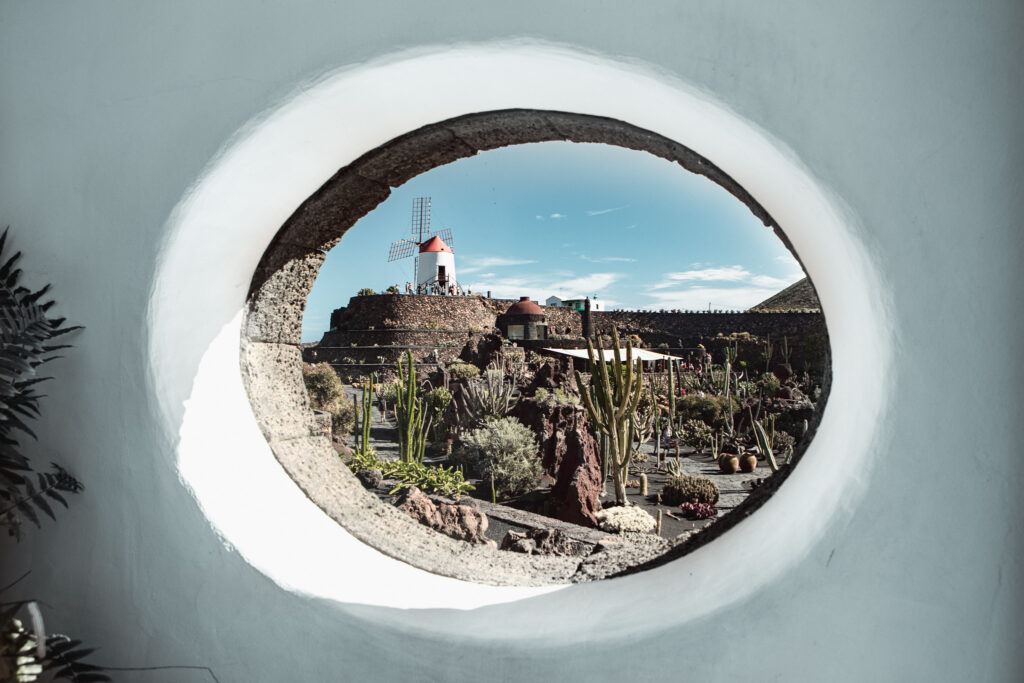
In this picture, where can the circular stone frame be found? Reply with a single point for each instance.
(271, 355)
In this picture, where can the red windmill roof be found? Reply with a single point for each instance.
(435, 243)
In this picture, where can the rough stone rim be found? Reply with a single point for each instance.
(272, 323)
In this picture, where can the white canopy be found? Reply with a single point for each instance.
(609, 354)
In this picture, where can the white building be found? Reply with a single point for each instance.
(553, 301)
(435, 264)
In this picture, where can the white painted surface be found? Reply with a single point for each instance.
(430, 261)
(899, 553)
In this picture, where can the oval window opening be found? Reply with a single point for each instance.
(434, 393)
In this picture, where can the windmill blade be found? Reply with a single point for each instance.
(401, 249)
(420, 216)
(445, 234)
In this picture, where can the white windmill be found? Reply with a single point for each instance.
(435, 260)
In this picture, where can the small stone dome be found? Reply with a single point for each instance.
(524, 307)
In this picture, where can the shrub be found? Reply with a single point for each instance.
(709, 409)
(556, 397)
(504, 450)
(463, 370)
(388, 392)
(393, 289)
(624, 518)
(697, 435)
(445, 481)
(696, 510)
(685, 488)
(365, 291)
(436, 402)
(323, 386)
(769, 384)
(343, 418)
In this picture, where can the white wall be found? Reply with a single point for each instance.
(909, 115)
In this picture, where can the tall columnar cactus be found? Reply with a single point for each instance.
(367, 413)
(409, 415)
(611, 403)
(672, 404)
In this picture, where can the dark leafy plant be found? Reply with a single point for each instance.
(27, 341)
(694, 509)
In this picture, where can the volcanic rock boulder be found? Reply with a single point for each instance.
(551, 375)
(569, 453)
(540, 542)
(480, 351)
(370, 478)
(461, 522)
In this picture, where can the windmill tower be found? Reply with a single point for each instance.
(435, 260)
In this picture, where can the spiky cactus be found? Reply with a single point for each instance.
(764, 446)
(367, 408)
(490, 395)
(611, 403)
(672, 404)
(409, 414)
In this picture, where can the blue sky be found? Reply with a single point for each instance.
(570, 220)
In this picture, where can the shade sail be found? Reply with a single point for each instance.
(609, 354)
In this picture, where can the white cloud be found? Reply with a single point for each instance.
(558, 215)
(540, 286)
(540, 218)
(608, 259)
(604, 211)
(737, 274)
(734, 287)
(479, 263)
(698, 298)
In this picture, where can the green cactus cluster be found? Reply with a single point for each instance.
(367, 413)
(684, 488)
(410, 414)
(611, 401)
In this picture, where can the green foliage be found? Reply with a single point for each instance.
(323, 386)
(462, 370)
(343, 418)
(697, 435)
(413, 424)
(393, 289)
(764, 446)
(488, 397)
(387, 392)
(365, 291)
(437, 402)
(445, 481)
(504, 450)
(709, 409)
(27, 341)
(555, 397)
(682, 488)
(611, 401)
(769, 384)
(366, 414)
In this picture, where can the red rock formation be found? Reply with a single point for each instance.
(569, 453)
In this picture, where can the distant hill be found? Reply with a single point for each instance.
(799, 295)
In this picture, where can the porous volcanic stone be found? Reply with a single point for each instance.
(541, 542)
(460, 522)
(569, 453)
(370, 478)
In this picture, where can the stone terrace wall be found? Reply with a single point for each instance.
(385, 325)
(692, 327)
